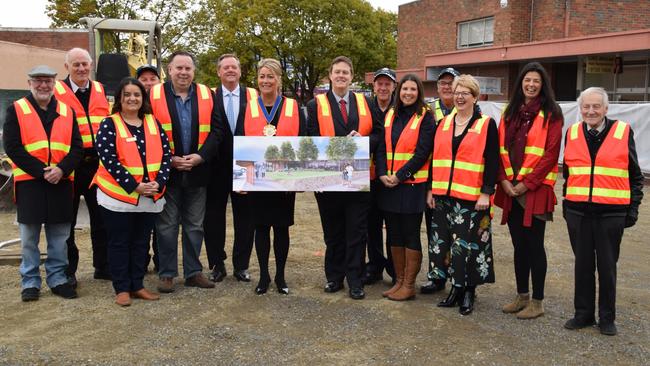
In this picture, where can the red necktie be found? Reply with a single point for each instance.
(344, 111)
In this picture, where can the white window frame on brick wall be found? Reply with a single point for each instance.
(475, 33)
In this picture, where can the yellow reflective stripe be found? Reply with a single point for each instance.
(503, 150)
(24, 106)
(59, 146)
(421, 174)
(445, 127)
(577, 191)
(63, 109)
(288, 109)
(156, 91)
(612, 172)
(82, 120)
(86, 138)
(416, 120)
(438, 112)
(402, 156)
(524, 171)
(465, 189)
(573, 134)
(612, 193)
(119, 124)
(18, 172)
(153, 167)
(469, 166)
(480, 123)
(361, 104)
(440, 163)
(171, 144)
(204, 128)
(255, 109)
(204, 92)
(509, 171)
(324, 104)
(36, 145)
(439, 185)
(59, 87)
(620, 129)
(534, 150)
(134, 170)
(151, 124)
(389, 117)
(98, 86)
(96, 119)
(167, 126)
(200, 146)
(115, 188)
(551, 176)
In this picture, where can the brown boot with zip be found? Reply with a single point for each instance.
(413, 263)
(399, 262)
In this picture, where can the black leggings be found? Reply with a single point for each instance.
(403, 230)
(530, 255)
(280, 248)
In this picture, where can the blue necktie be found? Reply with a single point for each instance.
(230, 113)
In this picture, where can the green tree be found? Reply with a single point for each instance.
(341, 148)
(304, 35)
(307, 150)
(272, 153)
(286, 152)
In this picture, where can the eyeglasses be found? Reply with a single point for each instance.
(445, 83)
(462, 94)
(42, 81)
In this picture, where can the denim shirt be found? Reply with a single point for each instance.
(184, 108)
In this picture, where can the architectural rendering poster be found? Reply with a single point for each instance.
(300, 163)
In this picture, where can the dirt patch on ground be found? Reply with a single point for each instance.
(232, 325)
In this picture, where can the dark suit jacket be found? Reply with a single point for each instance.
(39, 201)
(200, 174)
(222, 169)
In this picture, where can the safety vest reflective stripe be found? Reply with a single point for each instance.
(405, 146)
(600, 170)
(254, 122)
(534, 150)
(97, 109)
(601, 192)
(457, 187)
(326, 122)
(479, 168)
(115, 188)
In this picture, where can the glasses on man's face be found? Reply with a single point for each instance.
(445, 83)
(42, 81)
(462, 94)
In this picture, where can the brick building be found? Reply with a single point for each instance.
(580, 42)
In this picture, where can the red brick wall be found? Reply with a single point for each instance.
(46, 38)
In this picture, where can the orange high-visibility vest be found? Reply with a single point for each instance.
(533, 152)
(326, 122)
(605, 180)
(161, 112)
(467, 179)
(437, 111)
(129, 156)
(254, 120)
(405, 147)
(97, 109)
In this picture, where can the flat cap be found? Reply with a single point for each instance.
(42, 70)
(385, 72)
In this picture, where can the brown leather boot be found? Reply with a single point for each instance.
(399, 262)
(123, 299)
(145, 294)
(413, 263)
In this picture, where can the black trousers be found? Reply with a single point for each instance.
(596, 242)
(376, 260)
(344, 217)
(530, 254)
(404, 230)
(280, 250)
(214, 226)
(83, 175)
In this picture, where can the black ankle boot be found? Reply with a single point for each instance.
(467, 303)
(455, 295)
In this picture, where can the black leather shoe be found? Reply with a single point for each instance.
(218, 274)
(467, 303)
(262, 286)
(282, 287)
(370, 278)
(357, 293)
(333, 286)
(72, 280)
(577, 323)
(65, 291)
(30, 294)
(242, 275)
(101, 274)
(432, 287)
(454, 297)
(608, 329)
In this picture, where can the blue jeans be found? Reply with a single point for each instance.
(57, 254)
(185, 206)
(128, 243)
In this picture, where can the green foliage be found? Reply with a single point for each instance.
(307, 149)
(341, 148)
(304, 35)
(272, 153)
(286, 152)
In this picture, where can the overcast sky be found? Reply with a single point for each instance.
(31, 13)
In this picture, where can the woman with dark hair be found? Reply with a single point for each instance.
(134, 167)
(464, 164)
(403, 168)
(530, 135)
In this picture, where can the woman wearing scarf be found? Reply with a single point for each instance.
(530, 135)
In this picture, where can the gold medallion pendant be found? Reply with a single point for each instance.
(269, 130)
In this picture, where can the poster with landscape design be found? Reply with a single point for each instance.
(301, 163)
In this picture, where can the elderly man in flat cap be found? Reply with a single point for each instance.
(44, 145)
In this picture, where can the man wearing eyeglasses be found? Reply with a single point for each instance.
(44, 145)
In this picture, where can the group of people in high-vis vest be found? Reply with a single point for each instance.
(162, 158)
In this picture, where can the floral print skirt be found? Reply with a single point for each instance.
(461, 243)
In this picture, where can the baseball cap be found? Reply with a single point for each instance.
(449, 70)
(144, 68)
(385, 72)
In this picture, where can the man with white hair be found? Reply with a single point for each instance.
(602, 192)
(88, 100)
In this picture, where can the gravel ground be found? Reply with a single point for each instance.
(232, 325)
